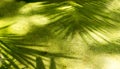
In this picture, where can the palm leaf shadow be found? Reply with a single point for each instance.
(75, 18)
(39, 63)
(110, 48)
(65, 22)
(52, 64)
(20, 52)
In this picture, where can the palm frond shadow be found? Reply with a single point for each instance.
(20, 53)
(15, 49)
(40, 64)
(70, 17)
(110, 48)
(66, 19)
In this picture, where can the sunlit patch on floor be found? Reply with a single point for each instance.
(65, 7)
(6, 21)
(107, 61)
(38, 20)
(112, 62)
(2, 23)
(114, 6)
(30, 7)
(21, 27)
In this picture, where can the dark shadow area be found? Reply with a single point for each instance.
(10, 9)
